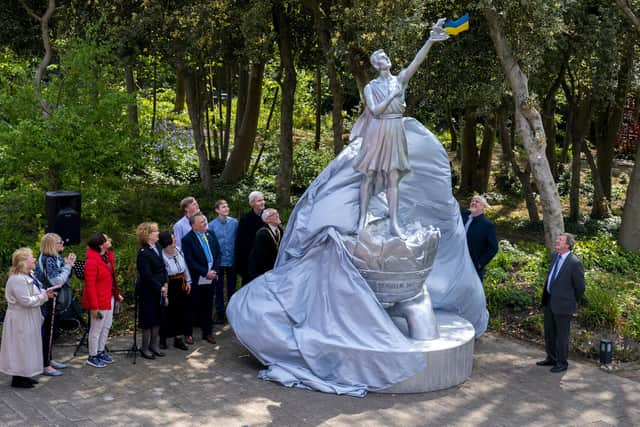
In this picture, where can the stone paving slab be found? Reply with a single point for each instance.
(217, 385)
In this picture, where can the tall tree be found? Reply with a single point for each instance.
(629, 236)
(530, 129)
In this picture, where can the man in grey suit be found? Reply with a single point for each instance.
(563, 289)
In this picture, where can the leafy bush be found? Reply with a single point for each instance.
(534, 324)
(599, 308)
(602, 252)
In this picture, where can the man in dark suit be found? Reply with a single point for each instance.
(265, 247)
(481, 234)
(248, 226)
(202, 256)
(563, 289)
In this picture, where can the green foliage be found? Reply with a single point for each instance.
(599, 308)
(602, 252)
(534, 323)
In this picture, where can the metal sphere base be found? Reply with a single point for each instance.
(449, 358)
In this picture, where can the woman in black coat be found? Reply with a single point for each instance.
(151, 288)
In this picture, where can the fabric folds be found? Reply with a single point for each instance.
(313, 320)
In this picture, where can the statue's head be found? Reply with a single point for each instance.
(380, 60)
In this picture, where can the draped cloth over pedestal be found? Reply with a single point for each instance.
(313, 320)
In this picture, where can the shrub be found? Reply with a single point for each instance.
(599, 308)
(534, 324)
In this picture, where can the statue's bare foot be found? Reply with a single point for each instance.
(394, 228)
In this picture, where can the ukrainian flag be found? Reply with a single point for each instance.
(459, 25)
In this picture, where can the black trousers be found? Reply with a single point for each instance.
(49, 318)
(176, 317)
(556, 336)
(202, 308)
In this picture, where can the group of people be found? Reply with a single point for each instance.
(181, 278)
(562, 290)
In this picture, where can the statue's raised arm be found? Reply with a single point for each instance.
(437, 34)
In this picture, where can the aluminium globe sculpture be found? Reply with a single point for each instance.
(373, 288)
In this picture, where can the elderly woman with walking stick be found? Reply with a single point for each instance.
(52, 270)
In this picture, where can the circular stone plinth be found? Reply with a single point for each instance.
(449, 359)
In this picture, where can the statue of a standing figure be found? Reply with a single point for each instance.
(383, 155)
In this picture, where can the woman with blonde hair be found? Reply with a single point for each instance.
(21, 349)
(151, 288)
(52, 270)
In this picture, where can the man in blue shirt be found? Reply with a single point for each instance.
(225, 228)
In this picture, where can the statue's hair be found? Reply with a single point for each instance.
(374, 55)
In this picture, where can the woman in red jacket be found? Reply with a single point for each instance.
(99, 295)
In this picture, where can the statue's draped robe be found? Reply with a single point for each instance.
(313, 320)
(384, 144)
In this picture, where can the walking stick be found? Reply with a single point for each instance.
(53, 318)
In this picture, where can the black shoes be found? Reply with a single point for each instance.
(558, 368)
(157, 353)
(220, 318)
(546, 362)
(147, 355)
(179, 344)
(22, 382)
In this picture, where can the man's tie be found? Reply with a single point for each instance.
(207, 250)
(554, 273)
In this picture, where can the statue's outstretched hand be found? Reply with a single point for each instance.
(438, 33)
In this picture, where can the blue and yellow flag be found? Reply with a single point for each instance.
(461, 24)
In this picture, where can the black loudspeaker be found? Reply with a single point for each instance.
(63, 215)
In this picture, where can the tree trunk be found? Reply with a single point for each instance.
(359, 68)
(324, 29)
(316, 139)
(581, 121)
(240, 157)
(453, 132)
(178, 106)
(194, 82)
(531, 131)
(549, 121)
(132, 109)
(600, 207)
(629, 235)
(227, 117)
(469, 152)
(283, 180)
(509, 156)
(486, 151)
(615, 115)
(243, 97)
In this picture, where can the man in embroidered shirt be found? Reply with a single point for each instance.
(188, 206)
(225, 228)
(563, 288)
(265, 247)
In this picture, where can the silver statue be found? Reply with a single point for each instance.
(383, 156)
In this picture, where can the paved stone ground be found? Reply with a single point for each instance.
(217, 385)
